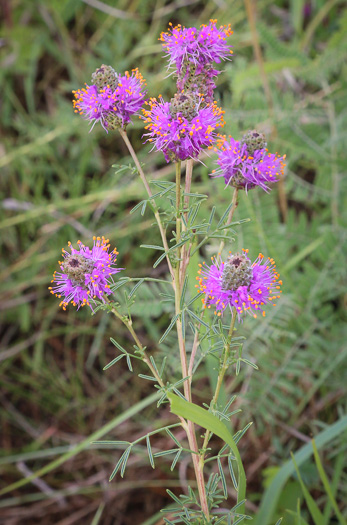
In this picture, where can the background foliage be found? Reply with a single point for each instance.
(58, 184)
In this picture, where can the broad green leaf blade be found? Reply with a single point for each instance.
(205, 419)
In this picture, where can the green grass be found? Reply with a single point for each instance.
(58, 184)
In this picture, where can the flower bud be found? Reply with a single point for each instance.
(186, 104)
(113, 122)
(254, 141)
(76, 266)
(105, 76)
(237, 271)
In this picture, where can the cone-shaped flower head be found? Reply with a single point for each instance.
(182, 128)
(105, 76)
(111, 104)
(85, 274)
(194, 51)
(239, 283)
(248, 163)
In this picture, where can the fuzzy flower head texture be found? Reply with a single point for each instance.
(239, 283)
(247, 163)
(114, 103)
(194, 51)
(86, 274)
(201, 46)
(182, 130)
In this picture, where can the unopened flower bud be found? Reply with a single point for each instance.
(237, 272)
(105, 76)
(254, 141)
(186, 104)
(113, 122)
(76, 266)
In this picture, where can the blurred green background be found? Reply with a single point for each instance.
(58, 184)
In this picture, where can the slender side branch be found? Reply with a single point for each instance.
(221, 375)
(235, 204)
(149, 192)
(127, 322)
(186, 250)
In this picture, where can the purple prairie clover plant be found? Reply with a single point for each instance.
(194, 51)
(85, 274)
(177, 132)
(111, 104)
(239, 283)
(247, 163)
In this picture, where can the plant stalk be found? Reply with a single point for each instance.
(221, 374)
(149, 192)
(179, 277)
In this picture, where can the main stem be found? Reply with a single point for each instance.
(221, 375)
(183, 355)
(149, 192)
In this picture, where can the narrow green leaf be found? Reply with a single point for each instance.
(222, 477)
(129, 363)
(326, 484)
(137, 285)
(192, 314)
(119, 463)
(316, 514)
(113, 361)
(176, 458)
(153, 247)
(232, 473)
(114, 342)
(169, 328)
(205, 419)
(149, 450)
(125, 460)
(173, 437)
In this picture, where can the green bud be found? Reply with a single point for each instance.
(113, 122)
(76, 267)
(254, 141)
(185, 103)
(105, 76)
(237, 272)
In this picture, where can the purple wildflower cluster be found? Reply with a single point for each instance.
(239, 283)
(112, 104)
(85, 274)
(184, 126)
(244, 167)
(177, 136)
(194, 51)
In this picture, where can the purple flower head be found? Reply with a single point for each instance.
(245, 167)
(194, 51)
(239, 283)
(85, 274)
(112, 106)
(180, 131)
(201, 46)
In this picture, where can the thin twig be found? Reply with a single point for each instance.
(149, 192)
